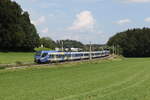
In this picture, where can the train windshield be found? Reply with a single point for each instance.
(44, 54)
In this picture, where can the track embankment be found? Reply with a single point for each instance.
(26, 65)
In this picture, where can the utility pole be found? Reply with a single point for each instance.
(117, 53)
(90, 51)
(113, 49)
(118, 50)
(102, 49)
(62, 46)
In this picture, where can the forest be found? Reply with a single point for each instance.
(132, 42)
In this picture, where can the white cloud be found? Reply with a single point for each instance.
(39, 21)
(33, 0)
(84, 29)
(137, 1)
(84, 20)
(147, 19)
(123, 21)
(46, 30)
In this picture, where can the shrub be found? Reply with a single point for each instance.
(2, 67)
(19, 63)
(40, 49)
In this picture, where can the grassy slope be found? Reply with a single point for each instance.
(13, 57)
(127, 79)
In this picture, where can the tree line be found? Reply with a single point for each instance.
(132, 42)
(48, 43)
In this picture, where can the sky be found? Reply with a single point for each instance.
(86, 20)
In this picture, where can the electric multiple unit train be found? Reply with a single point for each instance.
(56, 56)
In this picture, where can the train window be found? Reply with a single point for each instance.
(60, 56)
(69, 55)
(63, 56)
(44, 54)
(73, 55)
(66, 55)
(51, 56)
(86, 54)
(97, 53)
(76, 55)
(57, 56)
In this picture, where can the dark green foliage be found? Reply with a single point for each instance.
(19, 63)
(133, 43)
(42, 49)
(70, 44)
(48, 42)
(16, 31)
(96, 47)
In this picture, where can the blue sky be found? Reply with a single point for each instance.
(86, 20)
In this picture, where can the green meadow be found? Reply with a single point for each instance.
(13, 57)
(115, 79)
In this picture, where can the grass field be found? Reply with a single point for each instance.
(120, 79)
(13, 57)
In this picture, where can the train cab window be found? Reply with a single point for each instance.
(44, 54)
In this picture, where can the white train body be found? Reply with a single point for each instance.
(55, 56)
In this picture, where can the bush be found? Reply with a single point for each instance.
(41, 49)
(2, 67)
(19, 63)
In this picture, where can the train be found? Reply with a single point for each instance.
(58, 56)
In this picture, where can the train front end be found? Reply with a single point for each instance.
(43, 56)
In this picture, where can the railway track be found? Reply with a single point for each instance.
(16, 66)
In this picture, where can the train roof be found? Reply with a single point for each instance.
(60, 52)
(51, 51)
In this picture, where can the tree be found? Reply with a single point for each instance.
(48, 42)
(70, 44)
(16, 31)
